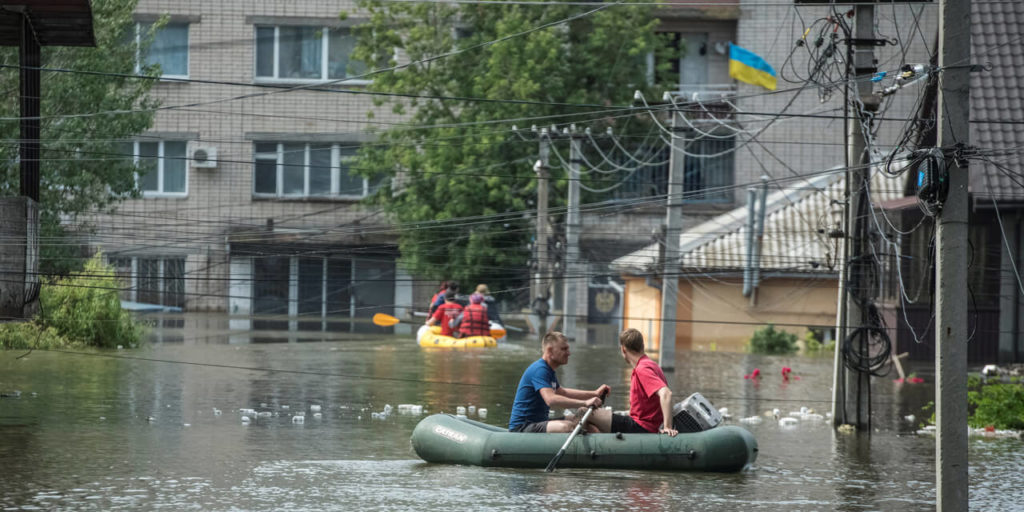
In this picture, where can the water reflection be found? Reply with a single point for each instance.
(138, 430)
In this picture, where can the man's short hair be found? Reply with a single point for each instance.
(632, 340)
(453, 286)
(553, 337)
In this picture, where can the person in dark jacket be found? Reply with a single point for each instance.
(490, 303)
(433, 300)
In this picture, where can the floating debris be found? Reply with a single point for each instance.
(10, 394)
(471, 409)
(285, 407)
(245, 420)
(482, 412)
(318, 415)
(752, 420)
(846, 429)
(314, 408)
(788, 422)
(460, 411)
(217, 412)
(298, 419)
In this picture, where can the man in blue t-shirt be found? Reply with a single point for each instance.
(539, 391)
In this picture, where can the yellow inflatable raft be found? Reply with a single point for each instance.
(430, 336)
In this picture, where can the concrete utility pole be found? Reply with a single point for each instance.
(543, 284)
(855, 386)
(951, 260)
(671, 264)
(574, 277)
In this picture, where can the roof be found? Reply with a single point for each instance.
(56, 22)
(997, 94)
(795, 238)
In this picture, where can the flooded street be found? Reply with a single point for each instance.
(160, 428)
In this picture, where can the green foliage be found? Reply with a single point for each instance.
(997, 404)
(814, 347)
(767, 340)
(82, 168)
(30, 335)
(451, 161)
(85, 308)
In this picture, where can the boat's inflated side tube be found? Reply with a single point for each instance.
(443, 438)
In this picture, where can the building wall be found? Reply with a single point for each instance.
(220, 201)
(714, 314)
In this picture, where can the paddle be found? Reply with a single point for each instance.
(579, 427)
(385, 320)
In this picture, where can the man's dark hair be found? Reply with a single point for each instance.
(632, 340)
(453, 286)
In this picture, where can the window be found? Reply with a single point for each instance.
(152, 280)
(169, 48)
(293, 53)
(687, 59)
(162, 167)
(709, 179)
(295, 169)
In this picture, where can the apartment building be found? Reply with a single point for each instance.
(250, 205)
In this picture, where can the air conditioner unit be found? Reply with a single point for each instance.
(203, 157)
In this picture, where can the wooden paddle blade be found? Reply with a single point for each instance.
(384, 320)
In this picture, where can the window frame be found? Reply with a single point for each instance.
(335, 168)
(324, 57)
(129, 269)
(160, 159)
(188, 52)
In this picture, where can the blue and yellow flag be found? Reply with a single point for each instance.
(747, 66)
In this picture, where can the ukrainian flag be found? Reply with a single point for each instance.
(747, 66)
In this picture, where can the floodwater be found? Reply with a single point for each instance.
(140, 429)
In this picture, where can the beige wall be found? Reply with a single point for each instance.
(714, 315)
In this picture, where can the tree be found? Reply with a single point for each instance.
(461, 186)
(85, 119)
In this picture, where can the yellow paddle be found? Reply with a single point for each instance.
(385, 320)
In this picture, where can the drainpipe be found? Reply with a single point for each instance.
(749, 267)
(756, 277)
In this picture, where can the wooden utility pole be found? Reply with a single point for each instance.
(673, 230)
(951, 259)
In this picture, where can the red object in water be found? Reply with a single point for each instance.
(785, 373)
(756, 374)
(990, 428)
(915, 380)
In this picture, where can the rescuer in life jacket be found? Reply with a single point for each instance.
(473, 319)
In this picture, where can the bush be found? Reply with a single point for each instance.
(814, 347)
(30, 335)
(85, 308)
(1000, 405)
(767, 340)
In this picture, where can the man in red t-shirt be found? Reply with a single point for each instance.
(445, 313)
(650, 399)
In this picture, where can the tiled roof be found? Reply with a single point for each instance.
(997, 94)
(795, 232)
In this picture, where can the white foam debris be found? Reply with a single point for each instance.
(776, 412)
(805, 410)
(247, 412)
(471, 409)
(264, 414)
(217, 412)
(298, 419)
(245, 419)
(314, 408)
(285, 407)
(752, 420)
(813, 417)
(482, 412)
(724, 411)
(387, 409)
(186, 424)
(318, 415)
(788, 422)
(460, 411)
(103, 418)
(263, 404)
(910, 418)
